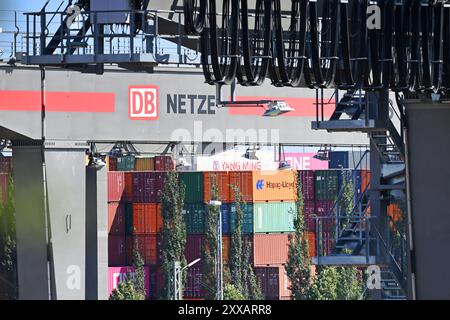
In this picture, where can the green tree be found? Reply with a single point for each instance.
(133, 288)
(243, 276)
(210, 244)
(350, 283)
(298, 267)
(325, 284)
(347, 200)
(173, 233)
(231, 293)
(8, 258)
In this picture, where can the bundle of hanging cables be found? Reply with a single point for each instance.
(324, 43)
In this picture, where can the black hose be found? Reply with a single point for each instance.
(195, 16)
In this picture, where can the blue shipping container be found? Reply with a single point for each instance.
(338, 159)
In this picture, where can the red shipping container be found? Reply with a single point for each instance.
(4, 187)
(307, 179)
(193, 286)
(146, 246)
(145, 217)
(116, 186)
(117, 275)
(159, 219)
(5, 164)
(164, 163)
(116, 218)
(194, 247)
(324, 208)
(223, 183)
(274, 282)
(270, 249)
(128, 192)
(112, 164)
(309, 209)
(147, 186)
(116, 250)
(244, 181)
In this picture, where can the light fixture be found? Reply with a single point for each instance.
(215, 203)
(193, 263)
(182, 162)
(96, 162)
(284, 165)
(323, 154)
(277, 108)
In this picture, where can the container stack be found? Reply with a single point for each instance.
(5, 172)
(268, 217)
(134, 215)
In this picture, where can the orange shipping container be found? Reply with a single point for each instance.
(284, 284)
(365, 179)
(394, 212)
(223, 182)
(274, 185)
(145, 218)
(144, 164)
(270, 249)
(147, 248)
(128, 187)
(244, 181)
(225, 248)
(312, 244)
(159, 219)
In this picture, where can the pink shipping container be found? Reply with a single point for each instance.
(164, 163)
(5, 164)
(193, 287)
(147, 186)
(193, 249)
(116, 251)
(307, 179)
(4, 187)
(116, 186)
(270, 249)
(117, 275)
(116, 218)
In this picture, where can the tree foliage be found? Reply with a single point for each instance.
(347, 199)
(325, 284)
(8, 256)
(173, 234)
(298, 267)
(350, 283)
(243, 276)
(231, 293)
(210, 244)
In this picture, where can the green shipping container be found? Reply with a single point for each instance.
(194, 215)
(274, 217)
(125, 163)
(326, 185)
(193, 181)
(128, 219)
(247, 223)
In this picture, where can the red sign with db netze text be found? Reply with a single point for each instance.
(143, 103)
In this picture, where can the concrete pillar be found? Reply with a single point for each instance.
(32, 267)
(96, 234)
(429, 180)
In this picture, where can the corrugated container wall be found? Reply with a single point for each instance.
(146, 246)
(195, 217)
(117, 250)
(5, 164)
(243, 181)
(193, 285)
(269, 279)
(309, 209)
(270, 249)
(194, 247)
(117, 275)
(4, 187)
(116, 218)
(274, 217)
(164, 163)
(144, 164)
(116, 186)
(145, 218)
(125, 163)
(274, 185)
(247, 219)
(223, 183)
(326, 184)
(307, 181)
(147, 186)
(112, 163)
(193, 182)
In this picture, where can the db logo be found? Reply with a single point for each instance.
(143, 103)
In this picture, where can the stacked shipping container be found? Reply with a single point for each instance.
(269, 213)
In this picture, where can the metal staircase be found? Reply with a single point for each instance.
(356, 239)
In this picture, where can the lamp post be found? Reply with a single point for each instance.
(177, 275)
(219, 264)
